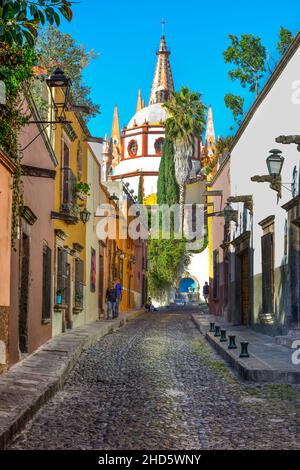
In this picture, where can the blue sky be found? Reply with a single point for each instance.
(127, 34)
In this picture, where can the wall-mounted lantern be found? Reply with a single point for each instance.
(274, 164)
(230, 214)
(85, 216)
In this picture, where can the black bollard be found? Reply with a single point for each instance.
(232, 344)
(212, 327)
(223, 338)
(244, 349)
(217, 330)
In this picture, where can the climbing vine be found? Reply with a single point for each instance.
(16, 68)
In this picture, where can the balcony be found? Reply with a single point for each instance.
(69, 207)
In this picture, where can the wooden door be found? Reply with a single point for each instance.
(101, 281)
(245, 287)
(24, 295)
(68, 296)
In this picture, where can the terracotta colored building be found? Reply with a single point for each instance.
(219, 280)
(32, 260)
(6, 170)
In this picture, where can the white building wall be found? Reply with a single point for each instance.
(128, 139)
(276, 116)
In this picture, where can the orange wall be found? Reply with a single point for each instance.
(5, 242)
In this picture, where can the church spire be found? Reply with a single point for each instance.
(210, 138)
(210, 128)
(162, 85)
(115, 130)
(139, 104)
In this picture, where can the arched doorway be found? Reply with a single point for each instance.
(188, 289)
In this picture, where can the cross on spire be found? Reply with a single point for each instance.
(163, 23)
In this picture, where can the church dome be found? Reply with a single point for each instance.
(153, 114)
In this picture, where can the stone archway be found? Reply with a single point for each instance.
(188, 288)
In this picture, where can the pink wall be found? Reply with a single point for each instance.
(5, 243)
(222, 183)
(39, 197)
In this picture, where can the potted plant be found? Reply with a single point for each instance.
(82, 190)
(59, 294)
(78, 298)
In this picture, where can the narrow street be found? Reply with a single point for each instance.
(156, 384)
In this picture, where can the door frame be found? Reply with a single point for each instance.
(242, 246)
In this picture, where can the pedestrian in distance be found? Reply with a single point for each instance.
(206, 292)
(149, 306)
(119, 296)
(111, 300)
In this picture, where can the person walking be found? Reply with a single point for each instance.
(111, 299)
(206, 292)
(119, 296)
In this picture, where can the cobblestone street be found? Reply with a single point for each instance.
(156, 384)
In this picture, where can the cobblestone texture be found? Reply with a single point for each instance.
(156, 384)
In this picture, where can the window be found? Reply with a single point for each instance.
(62, 275)
(46, 312)
(216, 274)
(159, 143)
(267, 248)
(79, 285)
(93, 270)
(133, 148)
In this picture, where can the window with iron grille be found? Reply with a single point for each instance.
(62, 274)
(47, 273)
(216, 274)
(79, 285)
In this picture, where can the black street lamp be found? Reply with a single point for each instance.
(275, 162)
(85, 216)
(59, 80)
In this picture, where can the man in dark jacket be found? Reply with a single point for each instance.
(206, 292)
(111, 299)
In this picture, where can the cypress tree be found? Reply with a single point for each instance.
(140, 191)
(171, 185)
(161, 182)
(167, 186)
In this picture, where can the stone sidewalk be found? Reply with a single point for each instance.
(268, 361)
(30, 383)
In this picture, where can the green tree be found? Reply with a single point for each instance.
(140, 191)
(186, 120)
(249, 56)
(223, 145)
(236, 105)
(20, 19)
(172, 187)
(167, 186)
(161, 182)
(285, 39)
(54, 48)
(166, 259)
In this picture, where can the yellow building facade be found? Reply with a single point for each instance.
(69, 274)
